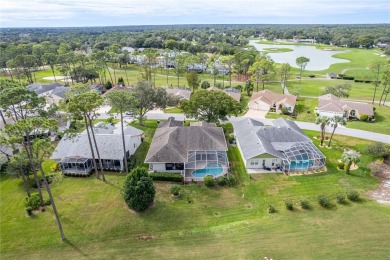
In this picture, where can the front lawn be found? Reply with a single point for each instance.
(217, 222)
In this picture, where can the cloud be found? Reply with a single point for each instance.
(94, 12)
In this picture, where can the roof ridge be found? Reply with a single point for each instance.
(211, 135)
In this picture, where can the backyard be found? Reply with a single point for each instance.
(203, 222)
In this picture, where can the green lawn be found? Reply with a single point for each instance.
(174, 110)
(203, 222)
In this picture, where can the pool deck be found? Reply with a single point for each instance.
(188, 173)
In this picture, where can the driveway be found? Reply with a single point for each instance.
(254, 113)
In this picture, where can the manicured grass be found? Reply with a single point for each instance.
(174, 110)
(203, 223)
(278, 49)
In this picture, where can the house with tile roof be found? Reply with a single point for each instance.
(329, 105)
(266, 100)
(73, 153)
(193, 151)
(281, 146)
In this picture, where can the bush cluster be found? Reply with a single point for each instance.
(230, 180)
(340, 198)
(271, 209)
(175, 190)
(304, 204)
(353, 195)
(323, 200)
(166, 176)
(363, 117)
(138, 189)
(33, 201)
(340, 165)
(221, 181)
(289, 205)
(208, 181)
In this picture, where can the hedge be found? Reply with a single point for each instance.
(166, 176)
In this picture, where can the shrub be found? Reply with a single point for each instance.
(208, 181)
(289, 205)
(285, 111)
(205, 84)
(304, 204)
(29, 211)
(340, 165)
(138, 189)
(221, 180)
(363, 117)
(348, 78)
(375, 167)
(230, 180)
(353, 195)
(175, 190)
(232, 138)
(323, 200)
(340, 198)
(312, 76)
(47, 202)
(271, 209)
(166, 176)
(378, 150)
(33, 201)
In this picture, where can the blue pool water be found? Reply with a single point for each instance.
(299, 166)
(210, 169)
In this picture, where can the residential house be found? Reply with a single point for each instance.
(280, 147)
(181, 92)
(53, 93)
(267, 100)
(231, 92)
(198, 67)
(57, 95)
(329, 105)
(221, 69)
(74, 155)
(193, 151)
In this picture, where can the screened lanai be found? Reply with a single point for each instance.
(76, 165)
(202, 163)
(303, 156)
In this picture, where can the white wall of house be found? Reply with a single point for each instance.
(330, 113)
(257, 163)
(133, 144)
(258, 105)
(160, 167)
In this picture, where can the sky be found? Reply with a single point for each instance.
(77, 13)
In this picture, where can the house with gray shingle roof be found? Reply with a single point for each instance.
(193, 151)
(74, 155)
(53, 93)
(231, 92)
(329, 105)
(281, 147)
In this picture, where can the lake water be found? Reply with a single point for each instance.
(319, 59)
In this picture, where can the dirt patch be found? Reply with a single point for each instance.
(382, 193)
(146, 237)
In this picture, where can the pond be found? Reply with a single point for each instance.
(319, 59)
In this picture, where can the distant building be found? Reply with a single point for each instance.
(331, 75)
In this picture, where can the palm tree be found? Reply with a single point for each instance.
(322, 121)
(350, 157)
(123, 101)
(335, 122)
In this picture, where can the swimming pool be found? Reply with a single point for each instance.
(214, 169)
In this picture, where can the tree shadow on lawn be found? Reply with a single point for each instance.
(76, 248)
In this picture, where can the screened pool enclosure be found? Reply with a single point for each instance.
(76, 165)
(303, 156)
(202, 163)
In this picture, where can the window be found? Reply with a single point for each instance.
(254, 162)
